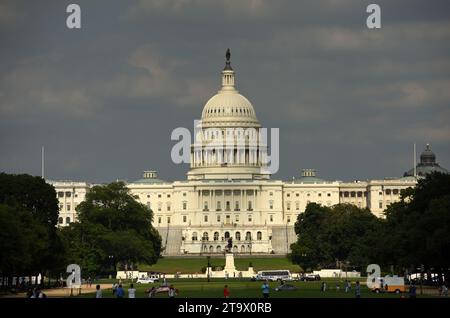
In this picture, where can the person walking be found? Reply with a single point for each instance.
(120, 293)
(226, 292)
(114, 288)
(131, 291)
(412, 291)
(98, 292)
(348, 286)
(151, 292)
(357, 290)
(265, 289)
(172, 292)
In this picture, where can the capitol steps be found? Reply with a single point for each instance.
(282, 238)
(171, 240)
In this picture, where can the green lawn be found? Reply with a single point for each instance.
(194, 265)
(247, 289)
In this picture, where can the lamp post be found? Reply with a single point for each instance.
(209, 265)
(111, 261)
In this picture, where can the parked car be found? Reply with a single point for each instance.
(310, 277)
(286, 287)
(146, 280)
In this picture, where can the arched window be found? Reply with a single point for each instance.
(194, 236)
(227, 235)
(68, 220)
(242, 249)
(235, 249)
(259, 236)
(248, 236)
(205, 236)
(60, 220)
(218, 249)
(249, 248)
(216, 236)
(238, 236)
(211, 249)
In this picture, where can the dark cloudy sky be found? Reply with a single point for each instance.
(103, 100)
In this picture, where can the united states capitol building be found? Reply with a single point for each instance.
(229, 192)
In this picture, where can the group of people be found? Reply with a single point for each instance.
(119, 292)
(347, 287)
(36, 293)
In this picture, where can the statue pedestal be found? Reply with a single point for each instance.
(229, 263)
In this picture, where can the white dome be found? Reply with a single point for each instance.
(229, 108)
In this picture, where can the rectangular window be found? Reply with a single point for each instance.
(236, 206)
(297, 206)
(184, 205)
(205, 218)
(271, 218)
(288, 206)
(168, 207)
(168, 220)
(149, 205)
(249, 217)
(380, 204)
(68, 207)
(271, 205)
(219, 206)
(250, 207)
(159, 220)
(168, 195)
(289, 219)
(184, 218)
(218, 219)
(205, 206)
(61, 206)
(237, 218)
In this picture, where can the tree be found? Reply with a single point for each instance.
(417, 226)
(113, 229)
(329, 237)
(28, 215)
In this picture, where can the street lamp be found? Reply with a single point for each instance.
(111, 261)
(209, 265)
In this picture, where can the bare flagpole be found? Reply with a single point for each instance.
(415, 161)
(42, 168)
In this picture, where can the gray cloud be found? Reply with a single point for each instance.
(103, 100)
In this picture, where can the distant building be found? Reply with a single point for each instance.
(427, 164)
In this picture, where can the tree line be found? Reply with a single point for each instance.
(113, 230)
(414, 233)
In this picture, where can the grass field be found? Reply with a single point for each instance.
(239, 288)
(194, 265)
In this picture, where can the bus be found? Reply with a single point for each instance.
(274, 275)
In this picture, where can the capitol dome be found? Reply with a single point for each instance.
(228, 108)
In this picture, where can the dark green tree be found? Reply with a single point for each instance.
(28, 215)
(112, 228)
(417, 227)
(343, 235)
